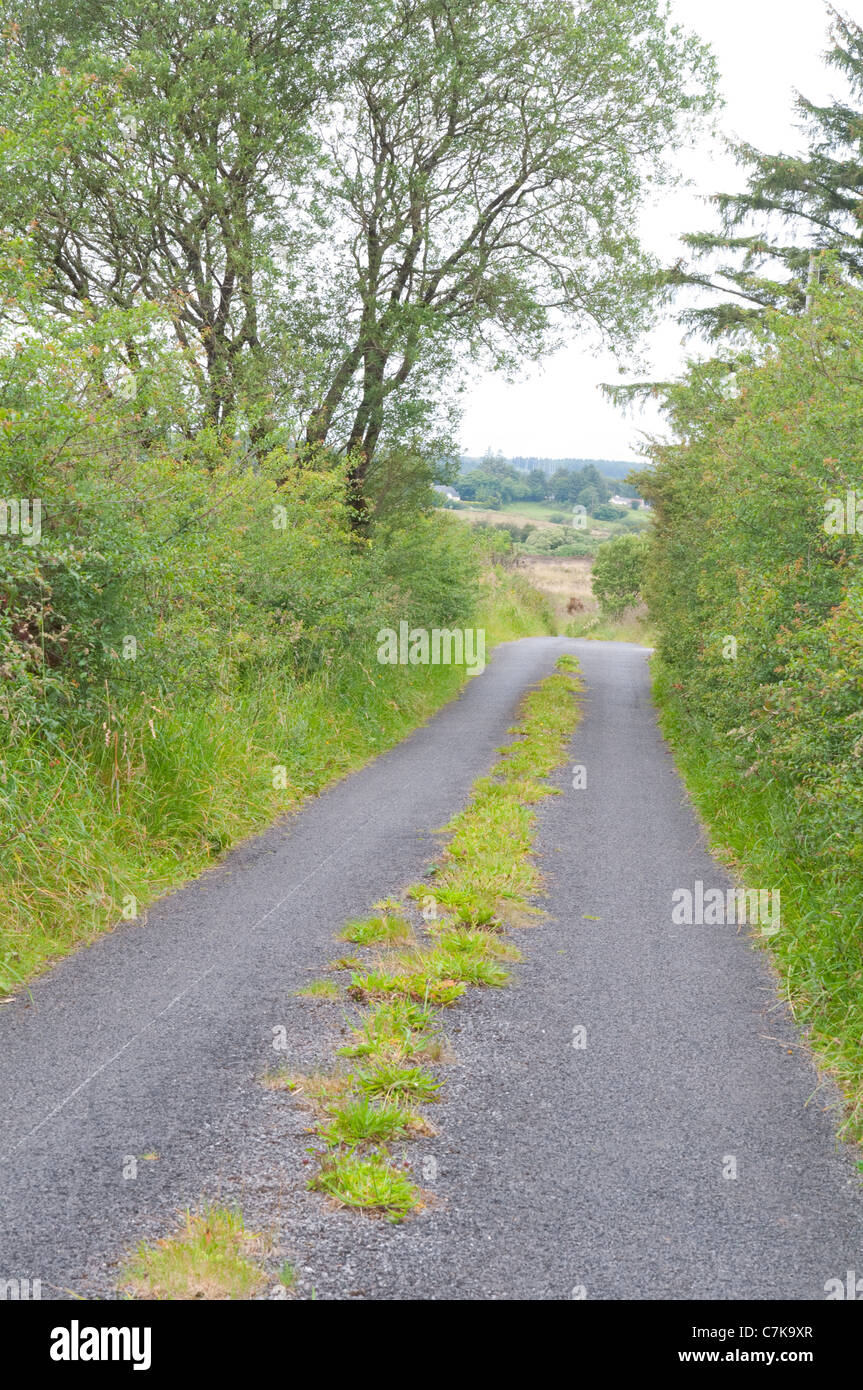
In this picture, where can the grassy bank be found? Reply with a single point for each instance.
(819, 950)
(108, 818)
(631, 626)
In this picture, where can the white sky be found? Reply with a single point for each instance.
(765, 49)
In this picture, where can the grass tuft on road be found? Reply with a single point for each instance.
(369, 1183)
(211, 1258)
(320, 989)
(369, 931)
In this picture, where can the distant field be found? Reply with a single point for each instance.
(565, 581)
(535, 511)
(539, 514)
(520, 512)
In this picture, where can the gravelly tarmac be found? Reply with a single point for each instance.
(557, 1169)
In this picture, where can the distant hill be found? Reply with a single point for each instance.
(609, 468)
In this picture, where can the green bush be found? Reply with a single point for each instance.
(758, 603)
(618, 573)
(189, 646)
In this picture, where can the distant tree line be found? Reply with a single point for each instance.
(498, 482)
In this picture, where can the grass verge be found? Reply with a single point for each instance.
(819, 949)
(124, 813)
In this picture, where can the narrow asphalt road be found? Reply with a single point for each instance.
(604, 1170)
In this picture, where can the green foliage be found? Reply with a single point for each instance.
(190, 620)
(758, 600)
(154, 575)
(618, 573)
(566, 541)
(743, 551)
(336, 204)
(514, 141)
(158, 144)
(793, 210)
(243, 251)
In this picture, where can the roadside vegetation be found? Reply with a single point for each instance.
(755, 573)
(226, 720)
(760, 672)
(227, 389)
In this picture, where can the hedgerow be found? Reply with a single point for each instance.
(756, 590)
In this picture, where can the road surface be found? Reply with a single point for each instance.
(685, 1150)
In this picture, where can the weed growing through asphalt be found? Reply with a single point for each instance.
(371, 930)
(445, 936)
(320, 989)
(211, 1258)
(389, 1079)
(367, 1181)
(395, 1029)
(366, 1121)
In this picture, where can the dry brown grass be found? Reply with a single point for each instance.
(317, 1088)
(511, 518)
(564, 581)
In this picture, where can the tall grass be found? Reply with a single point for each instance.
(99, 822)
(632, 626)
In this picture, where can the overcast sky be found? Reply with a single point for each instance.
(765, 50)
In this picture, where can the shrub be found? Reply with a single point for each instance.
(618, 573)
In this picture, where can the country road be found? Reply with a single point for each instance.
(602, 1170)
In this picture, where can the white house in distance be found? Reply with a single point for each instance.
(636, 503)
(448, 492)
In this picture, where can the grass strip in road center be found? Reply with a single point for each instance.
(419, 955)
